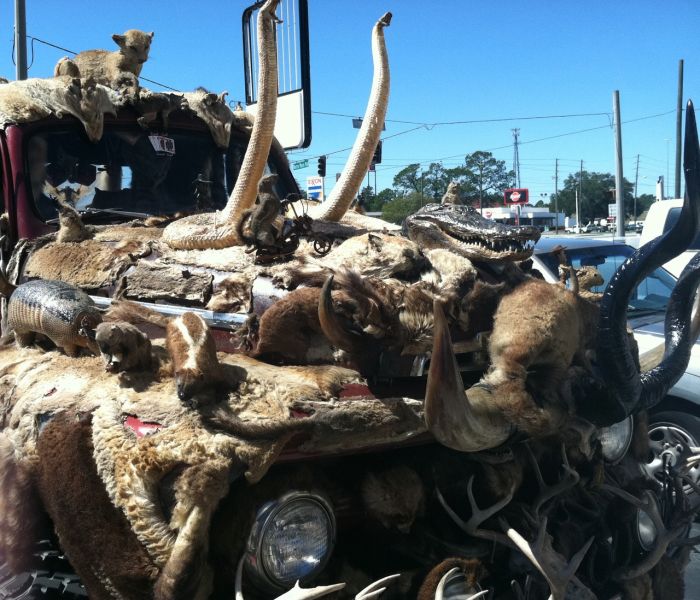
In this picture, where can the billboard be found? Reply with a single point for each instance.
(516, 196)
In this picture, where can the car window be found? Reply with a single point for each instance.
(672, 218)
(651, 295)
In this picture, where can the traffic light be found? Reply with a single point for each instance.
(321, 166)
(377, 158)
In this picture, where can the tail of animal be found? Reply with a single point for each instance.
(136, 314)
(6, 288)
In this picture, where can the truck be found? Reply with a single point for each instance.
(368, 449)
(660, 218)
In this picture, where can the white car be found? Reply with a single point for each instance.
(678, 413)
(661, 217)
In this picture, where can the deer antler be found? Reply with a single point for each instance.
(440, 591)
(549, 562)
(479, 515)
(547, 492)
(374, 590)
(296, 593)
(664, 536)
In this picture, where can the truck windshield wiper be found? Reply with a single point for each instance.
(105, 211)
(114, 211)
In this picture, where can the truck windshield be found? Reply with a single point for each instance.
(131, 171)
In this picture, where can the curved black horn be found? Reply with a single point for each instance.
(679, 335)
(616, 364)
(332, 325)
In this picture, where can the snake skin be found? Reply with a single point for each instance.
(55, 309)
(219, 230)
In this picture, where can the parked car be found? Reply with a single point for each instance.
(679, 413)
(661, 217)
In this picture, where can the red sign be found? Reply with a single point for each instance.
(516, 196)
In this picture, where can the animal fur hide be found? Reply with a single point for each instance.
(76, 441)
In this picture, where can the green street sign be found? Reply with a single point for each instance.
(300, 164)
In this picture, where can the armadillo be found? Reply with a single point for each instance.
(60, 311)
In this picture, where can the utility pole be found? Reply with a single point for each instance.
(556, 194)
(679, 123)
(21, 39)
(619, 185)
(579, 197)
(516, 157)
(636, 179)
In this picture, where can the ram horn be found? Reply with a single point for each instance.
(347, 187)
(331, 325)
(628, 390)
(459, 420)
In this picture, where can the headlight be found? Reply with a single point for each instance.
(292, 539)
(616, 439)
(646, 530)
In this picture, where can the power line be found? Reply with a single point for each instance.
(31, 37)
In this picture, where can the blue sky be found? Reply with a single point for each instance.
(450, 61)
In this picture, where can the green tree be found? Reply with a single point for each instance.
(400, 207)
(487, 178)
(377, 203)
(365, 197)
(408, 179)
(597, 191)
(643, 203)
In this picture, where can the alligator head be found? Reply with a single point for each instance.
(464, 231)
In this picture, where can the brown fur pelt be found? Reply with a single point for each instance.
(289, 331)
(668, 577)
(472, 568)
(393, 496)
(21, 515)
(535, 351)
(89, 526)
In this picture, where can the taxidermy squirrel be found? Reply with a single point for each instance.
(261, 217)
(113, 69)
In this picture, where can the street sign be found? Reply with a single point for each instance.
(314, 188)
(515, 196)
(612, 210)
(300, 164)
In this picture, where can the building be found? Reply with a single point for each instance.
(539, 216)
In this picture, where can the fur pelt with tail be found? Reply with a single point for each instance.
(22, 519)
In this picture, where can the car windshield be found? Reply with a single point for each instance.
(132, 172)
(650, 296)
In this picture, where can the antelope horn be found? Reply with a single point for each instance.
(253, 166)
(465, 421)
(360, 157)
(627, 390)
(331, 324)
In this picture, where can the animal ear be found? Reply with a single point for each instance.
(150, 35)
(376, 242)
(119, 39)
(222, 97)
(74, 87)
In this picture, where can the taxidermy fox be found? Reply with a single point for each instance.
(113, 69)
